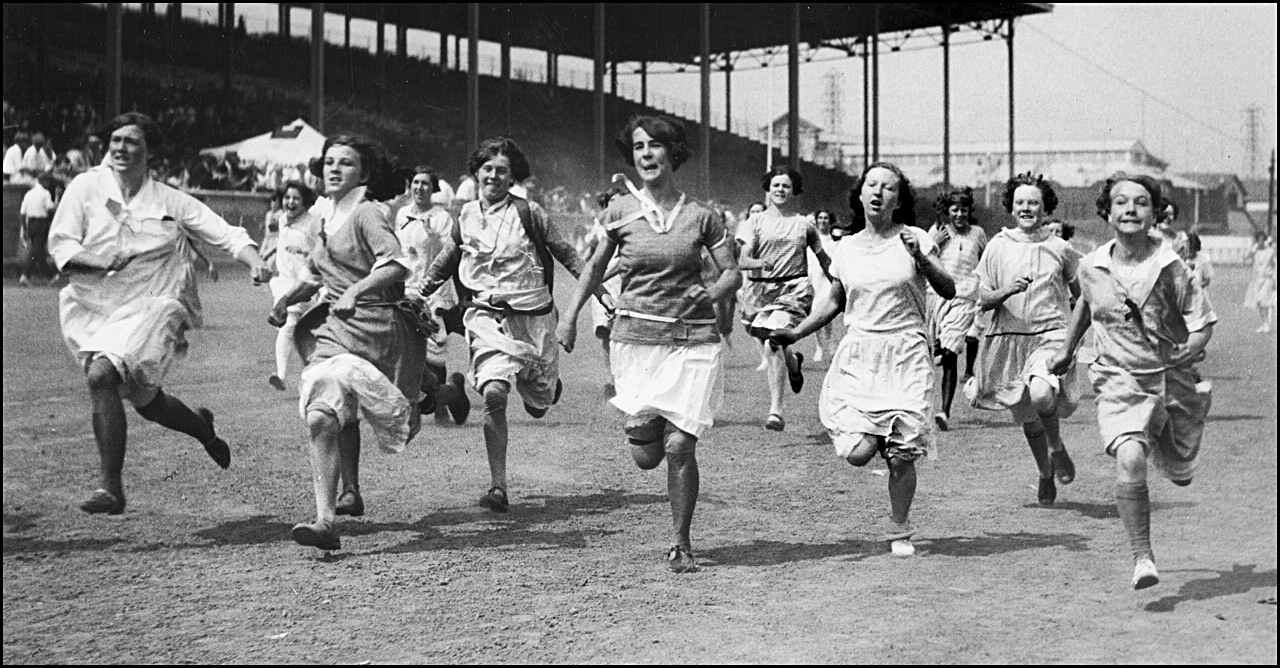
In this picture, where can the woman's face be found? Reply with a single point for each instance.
(755, 208)
(653, 160)
(495, 178)
(1131, 208)
(1055, 227)
(781, 190)
(292, 200)
(343, 171)
(823, 221)
(128, 150)
(1028, 207)
(959, 215)
(420, 188)
(879, 194)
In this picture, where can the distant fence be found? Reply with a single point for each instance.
(1227, 249)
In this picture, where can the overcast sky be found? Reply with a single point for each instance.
(1177, 77)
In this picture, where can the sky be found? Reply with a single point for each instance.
(1178, 78)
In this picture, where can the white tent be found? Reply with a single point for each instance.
(287, 146)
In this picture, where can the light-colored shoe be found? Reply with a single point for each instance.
(902, 548)
(1144, 573)
(774, 422)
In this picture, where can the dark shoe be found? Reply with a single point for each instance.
(774, 422)
(1063, 468)
(1182, 483)
(555, 399)
(217, 448)
(460, 408)
(796, 377)
(495, 500)
(941, 420)
(319, 535)
(1048, 492)
(350, 503)
(680, 560)
(102, 501)
(894, 531)
(276, 382)
(610, 391)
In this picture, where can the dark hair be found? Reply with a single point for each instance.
(1103, 202)
(1047, 196)
(1193, 243)
(1170, 204)
(666, 130)
(757, 203)
(955, 197)
(371, 158)
(308, 195)
(1068, 231)
(906, 211)
(151, 132)
(605, 196)
(431, 174)
(797, 179)
(494, 147)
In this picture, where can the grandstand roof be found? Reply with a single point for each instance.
(669, 32)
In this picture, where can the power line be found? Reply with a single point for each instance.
(1168, 105)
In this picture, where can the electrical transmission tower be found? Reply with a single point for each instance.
(1252, 121)
(833, 102)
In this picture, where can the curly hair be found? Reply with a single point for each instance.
(956, 196)
(1103, 202)
(797, 179)
(1047, 196)
(308, 195)
(494, 147)
(906, 211)
(668, 131)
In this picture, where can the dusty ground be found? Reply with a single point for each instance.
(201, 569)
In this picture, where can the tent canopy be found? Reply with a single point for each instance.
(287, 146)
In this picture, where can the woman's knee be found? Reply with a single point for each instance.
(864, 451)
(1044, 399)
(322, 423)
(495, 395)
(102, 376)
(1131, 460)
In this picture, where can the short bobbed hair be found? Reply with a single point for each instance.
(668, 131)
(370, 153)
(494, 147)
(151, 132)
(1158, 201)
(797, 179)
(906, 211)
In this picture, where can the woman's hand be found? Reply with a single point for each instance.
(1061, 362)
(783, 337)
(278, 314)
(345, 307)
(913, 245)
(567, 334)
(1019, 286)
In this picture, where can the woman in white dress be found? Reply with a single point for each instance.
(878, 394)
(293, 237)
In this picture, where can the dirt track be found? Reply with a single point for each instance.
(200, 569)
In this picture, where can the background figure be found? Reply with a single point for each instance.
(502, 258)
(961, 243)
(1199, 261)
(667, 356)
(1152, 403)
(423, 227)
(602, 308)
(132, 295)
(825, 337)
(36, 212)
(878, 393)
(1027, 278)
(293, 232)
(778, 293)
(1261, 293)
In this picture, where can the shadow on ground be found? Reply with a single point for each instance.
(1238, 580)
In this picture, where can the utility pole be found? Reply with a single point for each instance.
(1251, 122)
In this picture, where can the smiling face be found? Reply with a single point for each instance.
(959, 216)
(420, 188)
(653, 160)
(292, 201)
(879, 194)
(343, 171)
(823, 220)
(780, 190)
(495, 178)
(128, 150)
(1028, 208)
(1131, 209)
